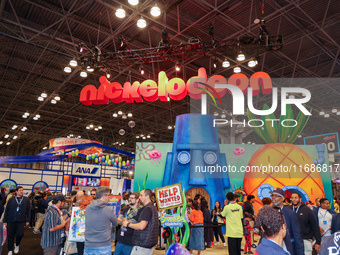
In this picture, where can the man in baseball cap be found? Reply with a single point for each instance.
(293, 239)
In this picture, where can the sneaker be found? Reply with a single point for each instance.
(10, 253)
(224, 244)
(16, 249)
(35, 232)
(218, 243)
(246, 253)
(253, 246)
(250, 252)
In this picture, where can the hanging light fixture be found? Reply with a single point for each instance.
(215, 62)
(44, 95)
(141, 69)
(67, 69)
(89, 69)
(120, 12)
(241, 57)
(129, 114)
(322, 113)
(141, 23)
(155, 11)
(115, 115)
(124, 117)
(326, 115)
(237, 69)
(6, 136)
(177, 67)
(120, 112)
(53, 101)
(334, 110)
(100, 127)
(252, 63)
(73, 62)
(57, 98)
(40, 98)
(83, 74)
(225, 63)
(338, 113)
(133, 2)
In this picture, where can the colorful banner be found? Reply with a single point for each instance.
(115, 202)
(169, 196)
(72, 141)
(171, 221)
(331, 140)
(77, 226)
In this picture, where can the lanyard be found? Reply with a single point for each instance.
(19, 203)
(296, 209)
(323, 216)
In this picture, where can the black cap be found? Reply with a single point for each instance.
(73, 193)
(278, 191)
(59, 197)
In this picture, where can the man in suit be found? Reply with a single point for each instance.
(293, 239)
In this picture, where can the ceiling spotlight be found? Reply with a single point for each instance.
(67, 69)
(100, 127)
(334, 110)
(237, 69)
(87, 127)
(169, 127)
(124, 117)
(6, 136)
(338, 113)
(96, 129)
(108, 75)
(144, 137)
(241, 57)
(129, 114)
(78, 136)
(299, 136)
(326, 115)
(14, 127)
(252, 63)
(57, 98)
(123, 143)
(89, 69)
(14, 137)
(73, 62)
(40, 98)
(120, 112)
(120, 12)
(215, 114)
(133, 2)
(215, 62)
(137, 136)
(141, 23)
(148, 136)
(322, 113)
(24, 129)
(225, 63)
(155, 11)
(8, 143)
(35, 118)
(1, 142)
(291, 97)
(141, 135)
(141, 69)
(223, 115)
(83, 74)
(45, 148)
(115, 115)
(177, 67)
(27, 113)
(24, 116)
(53, 101)
(37, 115)
(80, 47)
(91, 126)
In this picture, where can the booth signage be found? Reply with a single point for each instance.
(174, 220)
(169, 196)
(331, 141)
(72, 141)
(86, 170)
(115, 203)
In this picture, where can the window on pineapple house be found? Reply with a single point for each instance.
(6, 185)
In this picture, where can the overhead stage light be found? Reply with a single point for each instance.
(120, 12)
(40, 98)
(237, 69)
(133, 2)
(89, 69)
(83, 74)
(141, 70)
(141, 23)
(73, 62)
(241, 57)
(252, 63)
(67, 69)
(177, 67)
(215, 62)
(155, 11)
(108, 75)
(225, 63)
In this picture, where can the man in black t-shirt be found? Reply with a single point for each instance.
(124, 235)
(40, 216)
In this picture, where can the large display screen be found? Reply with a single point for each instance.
(84, 181)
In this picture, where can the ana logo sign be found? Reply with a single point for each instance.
(87, 170)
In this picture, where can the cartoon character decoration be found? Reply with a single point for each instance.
(155, 157)
(282, 164)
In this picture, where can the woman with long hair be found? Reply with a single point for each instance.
(208, 231)
(216, 219)
(197, 232)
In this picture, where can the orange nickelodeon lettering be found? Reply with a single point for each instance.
(114, 92)
(162, 81)
(176, 89)
(148, 89)
(194, 82)
(131, 92)
(264, 80)
(217, 79)
(240, 80)
(88, 95)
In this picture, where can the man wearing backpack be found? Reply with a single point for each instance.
(42, 207)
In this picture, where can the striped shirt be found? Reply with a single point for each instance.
(51, 220)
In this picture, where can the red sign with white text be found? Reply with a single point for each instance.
(169, 196)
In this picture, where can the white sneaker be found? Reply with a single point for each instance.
(16, 249)
(224, 244)
(10, 253)
(218, 243)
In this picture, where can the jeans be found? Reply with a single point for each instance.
(106, 250)
(122, 249)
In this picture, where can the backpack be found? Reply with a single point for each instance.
(36, 204)
(3, 201)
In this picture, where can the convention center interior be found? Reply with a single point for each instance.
(169, 127)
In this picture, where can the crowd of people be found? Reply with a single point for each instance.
(285, 226)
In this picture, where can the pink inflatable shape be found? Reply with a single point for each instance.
(239, 151)
(155, 155)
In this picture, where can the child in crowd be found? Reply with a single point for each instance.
(197, 232)
(247, 233)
